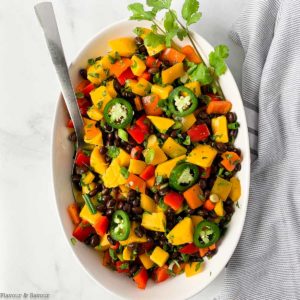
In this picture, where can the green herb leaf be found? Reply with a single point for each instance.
(233, 126)
(73, 241)
(139, 13)
(202, 74)
(149, 155)
(113, 254)
(124, 172)
(198, 266)
(159, 4)
(159, 179)
(185, 257)
(124, 266)
(113, 151)
(91, 61)
(123, 135)
(138, 31)
(190, 12)
(94, 75)
(217, 59)
(171, 26)
(187, 141)
(79, 95)
(153, 39)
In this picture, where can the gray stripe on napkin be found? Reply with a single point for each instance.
(266, 263)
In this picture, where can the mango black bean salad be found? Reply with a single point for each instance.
(155, 185)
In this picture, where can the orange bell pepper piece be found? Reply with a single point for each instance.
(230, 159)
(191, 54)
(120, 66)
(74, 213)
(221, 107)
(136, 183)
(172, 56)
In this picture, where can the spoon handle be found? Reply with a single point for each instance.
(45, 14)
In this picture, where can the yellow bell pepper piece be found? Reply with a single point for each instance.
(110, 88)
(194, 87)
(159, 155)
(100, 97)
(219, 128)
(161, 124)
(187, 122)
(104, 244)
(219, 209)
(162, 92)
(147, 203)
(196, 220)
(172, 148)
(136, 166)
(142, 87)
(86, 215)
(132, 236)
(123, 158)
(138, 66)
(154, 221)
(182, 233)
(124, 190)
(89, 187)
(146, 261)
(87, 178)
(193, 268)
(127, 254)
(113, 177)
(202, 155)
(93, 135)
(96, 74)
(125, 46)
(172, 73)
(159, 256)
(94, 113)
(235, 192)
(164, 169)
(222, 188)
(97, 161)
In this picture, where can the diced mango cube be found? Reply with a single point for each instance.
(182, 233)
(159, 256)
(202, 155)
(193, 268)
(154, 221)
(146, 261)
(86, 215)
(172, 148)
(136, 166)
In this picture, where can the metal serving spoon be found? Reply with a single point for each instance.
(46, 17)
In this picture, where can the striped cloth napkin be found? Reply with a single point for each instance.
(266, 263)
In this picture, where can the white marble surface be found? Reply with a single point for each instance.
(34, 255)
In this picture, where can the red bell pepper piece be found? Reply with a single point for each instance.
(146, 247)
(148, 172)
(146, 76)
(152, 62)
(127, 74)
(198, 133)
(136, 152)
(160, 274)
(174, 200)
(137, 133)
(189, 249)
(70, 124)
(82, 159)
(144, 123)
(206, 173)
(107, 261)
(141, 278)
(213, 97)
(115, 246)
(208, 205)
(101, 226)
(86, 90)
(122, 267)
(83, 105)
(82, 231)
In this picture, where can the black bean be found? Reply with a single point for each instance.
(111, 240)
(132, 246)
(133, 270)
(105, 191)
(143, 50)
(139, 232)
(110, 137)
(231, 117)
(109, 211)
(139, 41)
(202, 184)
(120, 205)
(81, 169)
(156, 197)
(164, 136)
(233, 133)
(117, 86)
(153, 70)
(136, 202)
(83, 73)
(76, 178)
(106, 198)
(94, 191)
(101, 207)
(191, 211)
(111, 203)
(117, 143)
(163, 191)
(95, 240)
(221, 147)
(127, 207)
(72, 137)
(132, 194)
(206, 194)
(128, 94)
(238, 167)
(108, 128)
(174, 134)
(103, 150)
(203, 115)
(137, 210)
(128, 148)
(237, 151)
(87, 241)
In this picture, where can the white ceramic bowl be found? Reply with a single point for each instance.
(179, 287)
